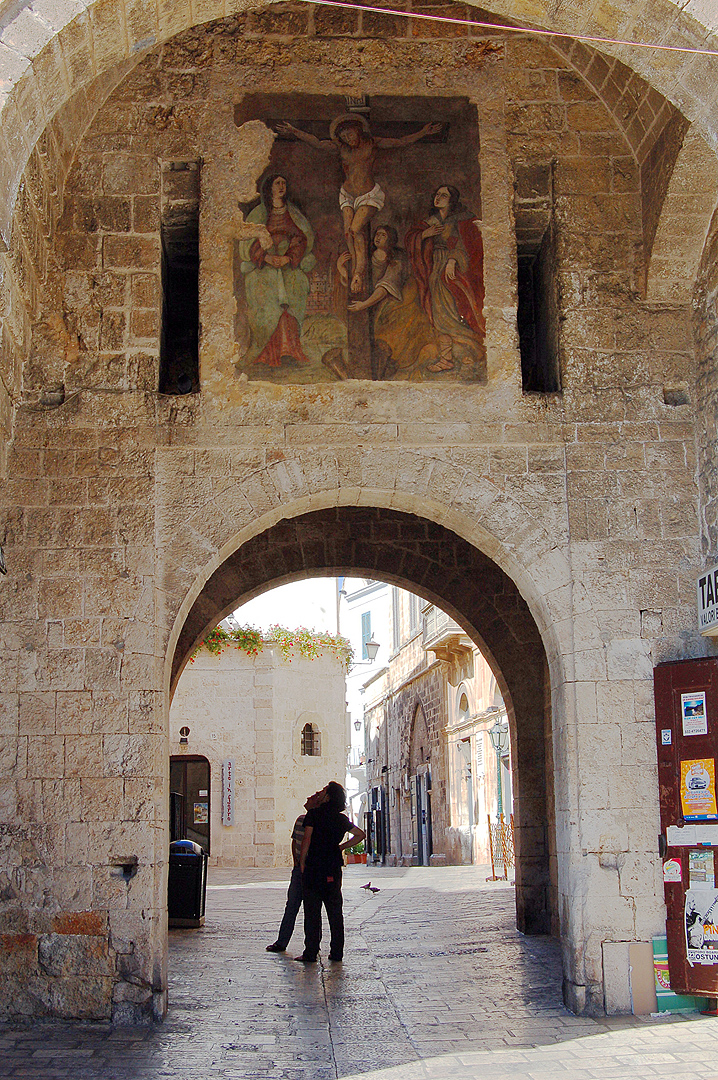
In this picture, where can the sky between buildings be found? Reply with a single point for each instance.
(311, 603)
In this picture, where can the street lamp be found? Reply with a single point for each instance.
(499, 735)
(371, 648)
(357, 725)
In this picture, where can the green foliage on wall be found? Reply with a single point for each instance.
(300, 642)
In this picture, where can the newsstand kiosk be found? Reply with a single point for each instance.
(686, 694)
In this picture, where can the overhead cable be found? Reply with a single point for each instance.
(505, 28)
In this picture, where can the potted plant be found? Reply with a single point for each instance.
(356, 854)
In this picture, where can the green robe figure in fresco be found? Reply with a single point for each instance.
(275, 267)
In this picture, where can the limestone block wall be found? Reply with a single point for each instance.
(706, 331)
(253, 709)
(120, 504)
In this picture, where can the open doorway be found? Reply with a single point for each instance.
(190, 800)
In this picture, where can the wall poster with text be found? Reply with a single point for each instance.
(698, 789)
(693, 714)
(701, 912)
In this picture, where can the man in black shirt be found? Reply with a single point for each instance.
(294, 893)
(321, 861)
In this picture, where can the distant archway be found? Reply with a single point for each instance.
(431, 560)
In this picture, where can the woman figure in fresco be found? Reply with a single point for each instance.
(447, 256)
(275, 267)
(401, 327)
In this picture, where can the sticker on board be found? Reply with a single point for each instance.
(672, 870)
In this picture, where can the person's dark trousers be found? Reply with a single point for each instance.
(318, 891)
(294, 902)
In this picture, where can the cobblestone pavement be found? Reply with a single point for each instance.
(436, 985)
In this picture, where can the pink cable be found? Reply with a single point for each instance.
(513, 29)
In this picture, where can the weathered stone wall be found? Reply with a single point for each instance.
(706, 332)
(120, 505)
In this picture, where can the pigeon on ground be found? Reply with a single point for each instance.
(370, 887)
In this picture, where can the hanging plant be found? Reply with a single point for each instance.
(245, 638)
(310, 644)
(300, 642)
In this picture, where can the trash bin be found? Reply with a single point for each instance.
(187, 884)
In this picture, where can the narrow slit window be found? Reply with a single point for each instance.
(537, 271)
(179, 233)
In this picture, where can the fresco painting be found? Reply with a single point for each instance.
(363, 256)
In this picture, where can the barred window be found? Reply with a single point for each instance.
(311, 746)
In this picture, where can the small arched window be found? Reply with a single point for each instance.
(311, 744)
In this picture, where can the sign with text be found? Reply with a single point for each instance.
(228, 791)
(707, 594)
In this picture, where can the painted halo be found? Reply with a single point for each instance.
(346, 118)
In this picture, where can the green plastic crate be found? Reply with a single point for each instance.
(667, 1000)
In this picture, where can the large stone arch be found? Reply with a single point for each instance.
(684, 223)
(413, 551)
(204, 520)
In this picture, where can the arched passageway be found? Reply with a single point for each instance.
(420, 554)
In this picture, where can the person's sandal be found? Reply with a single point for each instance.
(276, 947)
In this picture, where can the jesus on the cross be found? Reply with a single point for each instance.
(360, 197)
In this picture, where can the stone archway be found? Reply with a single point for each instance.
(419, 554)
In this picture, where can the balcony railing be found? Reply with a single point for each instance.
(442, 635)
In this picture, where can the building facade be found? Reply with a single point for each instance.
(204, 391)
(279, 724)
(431, 769)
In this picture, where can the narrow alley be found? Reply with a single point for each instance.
(436, 983)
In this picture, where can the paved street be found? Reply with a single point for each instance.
(436, 984)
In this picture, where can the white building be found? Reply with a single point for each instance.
(283, 725)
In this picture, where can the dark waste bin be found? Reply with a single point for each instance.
(187, 884)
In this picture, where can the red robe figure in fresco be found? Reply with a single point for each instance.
(447, 257)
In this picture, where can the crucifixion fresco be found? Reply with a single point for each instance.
(363, 258)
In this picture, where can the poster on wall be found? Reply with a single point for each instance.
(701, 869)
(201, 813)
(228, 791)
(698, 789)
(701, 911)
(693, 714)
(362, 257)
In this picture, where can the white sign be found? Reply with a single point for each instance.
(707, 593)
(228, 791)
(692, 835)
